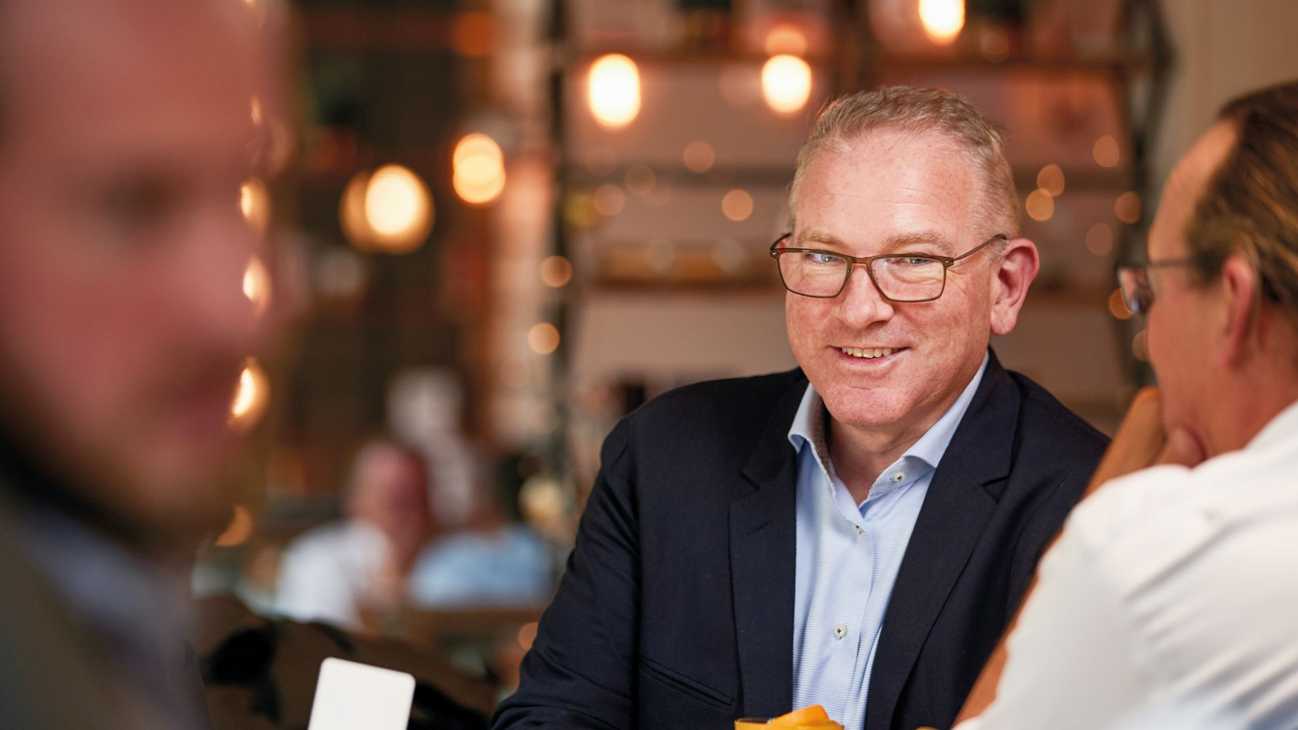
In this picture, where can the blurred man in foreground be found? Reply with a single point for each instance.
(1177, 584)
(855, 533)
(126, 129)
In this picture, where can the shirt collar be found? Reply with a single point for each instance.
(809, 425)
(1278, 429)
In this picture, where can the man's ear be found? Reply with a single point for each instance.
(1238, 324)
(1017, 268)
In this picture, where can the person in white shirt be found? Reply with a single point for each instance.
(1176, 585)
(333, 572)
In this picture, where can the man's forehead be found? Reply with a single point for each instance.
(1187, 183)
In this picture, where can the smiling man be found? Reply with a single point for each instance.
(855, 533)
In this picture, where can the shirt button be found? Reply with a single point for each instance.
(840, 631)
(898, 477)
(859, 530)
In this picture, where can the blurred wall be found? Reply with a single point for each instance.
(1223, 48)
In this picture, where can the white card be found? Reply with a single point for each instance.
(352, 696)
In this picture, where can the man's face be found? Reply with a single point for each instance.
(127, 133)
(1178, 336)
(892, 192)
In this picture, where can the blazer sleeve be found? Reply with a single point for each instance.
(581, 671)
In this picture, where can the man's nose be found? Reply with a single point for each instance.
(861, 303)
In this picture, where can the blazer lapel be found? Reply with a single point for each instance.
(954, 514)
(763, 539)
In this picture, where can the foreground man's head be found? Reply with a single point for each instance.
(903, 171)
(1222, 279)
(126, 130)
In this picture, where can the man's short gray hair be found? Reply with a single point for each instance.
(916, 110)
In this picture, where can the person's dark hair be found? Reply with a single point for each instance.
(1250, 204)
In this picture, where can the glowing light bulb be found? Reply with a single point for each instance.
(943, 19)
(254, 204)
(252, 396)
(479, 169)
(614, 90)
(786, 83)
(256, 285)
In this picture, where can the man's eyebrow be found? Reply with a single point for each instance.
(891, 244)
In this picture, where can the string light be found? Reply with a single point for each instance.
(256, 285)
(556, 272)
(942, 19)
(786, 83)
(614, 90)
(478, 169)
(251, 397)
(389, 210)
(254, 204)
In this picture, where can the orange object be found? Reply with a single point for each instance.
(813, 715)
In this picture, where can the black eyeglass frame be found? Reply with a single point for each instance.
(868, 262)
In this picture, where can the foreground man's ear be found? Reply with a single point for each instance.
(1017, 267)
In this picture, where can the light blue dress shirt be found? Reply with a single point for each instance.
(848, 557)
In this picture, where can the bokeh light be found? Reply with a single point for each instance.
(699, 156)
(256, 285)
(786, 83)
(556, 272)
(640, 179)
(737, 205)
(609, 200)
(1051, 179)
(254, 204)
(389, 210)
(1040, 205)
(1106, 151)
(613, 88)
(543, 338)
(942, 19)
(251, 397)
(1127, 207)
(478, 167)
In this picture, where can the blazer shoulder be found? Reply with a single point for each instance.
(745, 403)
(1046, 421)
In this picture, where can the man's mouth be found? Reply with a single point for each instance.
(869, 353)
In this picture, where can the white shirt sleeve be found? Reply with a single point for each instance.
(1069, 662)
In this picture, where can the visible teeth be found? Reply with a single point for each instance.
(869, 353)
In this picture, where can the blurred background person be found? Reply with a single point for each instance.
(494, 560)
(337, 573)
(123, 332)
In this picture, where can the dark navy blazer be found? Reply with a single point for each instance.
(676, 608)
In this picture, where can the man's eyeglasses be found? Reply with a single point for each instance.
(899, 277)
(1133, 282)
